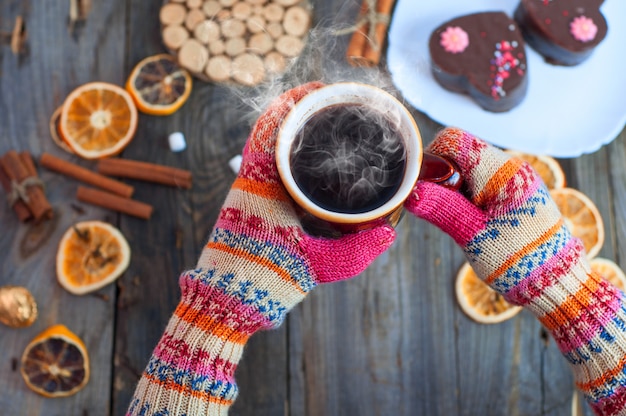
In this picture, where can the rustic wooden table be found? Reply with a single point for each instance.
(391, 342)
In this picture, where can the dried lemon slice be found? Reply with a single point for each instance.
(610, 271)
(158, 85)
(55, 363)
(91, 255)
(548, 168)
(479, 301)
(582, 218)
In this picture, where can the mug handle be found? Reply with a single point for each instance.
(440, 171)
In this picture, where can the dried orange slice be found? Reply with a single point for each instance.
(53, 126)
(98, 119)
(548, 168)
(577, 404)
(581, 217)
(479, 301)
(158, 85)
(91, 255)
(55, 363)
(610, 271)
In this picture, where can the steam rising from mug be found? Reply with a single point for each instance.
(349, 158)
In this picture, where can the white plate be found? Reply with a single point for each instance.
(567, 111)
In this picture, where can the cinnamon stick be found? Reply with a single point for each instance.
(28, 163)
(354, 53)
(20, 207)
(85, 175)
(144, 171)
(18, 36)
(366, 45)
(24, 179)
(114, 202)
(374, 51)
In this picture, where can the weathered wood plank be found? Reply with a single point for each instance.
(616, 176)
(32, 86)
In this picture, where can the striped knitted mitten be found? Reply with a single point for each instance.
(257, 265)
(516, 241)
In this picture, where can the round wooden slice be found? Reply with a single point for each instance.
(275, 30)
(217, 47)
(208, 31)
(193, 55)
(256, 24)
(296, 21)
(211, 7)
(194, 18)
(273, 12)
(235, 46)
(219, 68)
(290, 46)
(233, 28)
(174, 36)
(223, 14)
(172, 14)
(274, 62)
(241, 10)
(260, 43)
(248, 69)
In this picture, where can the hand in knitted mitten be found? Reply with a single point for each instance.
(516, 241)
(257, 265)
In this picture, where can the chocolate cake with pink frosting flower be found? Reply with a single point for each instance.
(483, 56)
(564, 32)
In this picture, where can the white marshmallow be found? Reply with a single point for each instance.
(235, 163)
(177, 142)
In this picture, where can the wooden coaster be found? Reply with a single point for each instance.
(235, 41)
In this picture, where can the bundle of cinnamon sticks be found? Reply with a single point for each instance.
(369, 34)
(24, 189)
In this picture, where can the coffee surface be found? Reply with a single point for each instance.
(348, 158)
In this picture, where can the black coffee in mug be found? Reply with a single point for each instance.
(348, 158)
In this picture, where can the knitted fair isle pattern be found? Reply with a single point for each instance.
(516, 240)
(257, 265)
(250, 273)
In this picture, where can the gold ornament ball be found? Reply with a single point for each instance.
(18, 308)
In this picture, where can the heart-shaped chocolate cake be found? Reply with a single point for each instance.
(564, 32)
(482, 55)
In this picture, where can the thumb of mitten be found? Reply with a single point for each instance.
(447, 209)
(347, 256)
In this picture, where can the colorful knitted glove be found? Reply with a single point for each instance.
(516, 241)
(256, 266)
